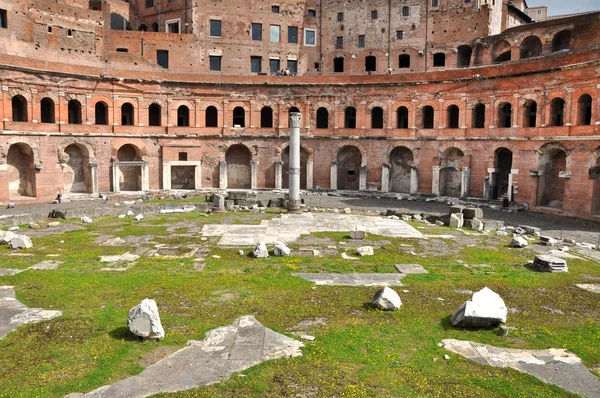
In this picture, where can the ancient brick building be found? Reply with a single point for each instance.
(444, 97)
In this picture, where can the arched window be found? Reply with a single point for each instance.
(530, 47)
(143, 28)
(402, 117)
(239, 117)
(479, 116)
(439, 59)
(183, 116)
(155, 27)
(452, 115)
(101, 113)
(322, 118)
(530, 114)
(211, 118)
(427, 117)
(350, 118)
(505, 115)
(377, 118)
(74, 108)
(127, 114)
(404, 61)
(47, 110)
(405, 11)
(266, 117)
(557, 112)
(19, 109)
(463, 56)
(154, 115)
(584, 110)
(370, 63)
(501, 52)
(561, 41)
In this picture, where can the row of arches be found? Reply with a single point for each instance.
(425, 119)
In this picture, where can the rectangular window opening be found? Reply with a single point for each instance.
(162, 58)
(310, 37)
(374, 14)
(215, 62)
(122, 50)
(399, 34)
(275, 9)
(361, 41)
(275, 33)
(172, 26)
(256, 64)
(3, 19)
(257, 31)
(340, 17)
(215, 28)
(183, 156)
(339, 43)
(293, 34)
(292, 66)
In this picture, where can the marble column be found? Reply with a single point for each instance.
(278, 174)
(294, 173)
(385, 177)
(414, 179)
(435, 181)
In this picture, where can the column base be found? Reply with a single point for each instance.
(294, 210)
(218, 210)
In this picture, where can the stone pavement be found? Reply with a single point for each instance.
(13, 313)
(225, 350)
(290, 227)
(594, 288)
(358, 279)
(553, 366)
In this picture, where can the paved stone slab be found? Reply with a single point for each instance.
(13, 313)
(553, 366)
(225, 350)
(128, 257)
(9, 271)
(352, 279)
(46, 265)
(290, 227)
(411, 269)
(594, 288)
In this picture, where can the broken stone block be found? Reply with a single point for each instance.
(545, 263)
(405, 217)
(260, 250)
(143, 320)
(53, 224)
(347, 210)
(502, 331)
(358, 233)
(439, 223)
(218, 204)
(477, 225)
(518, 242)
(86, 220)
(456, 209)
(58, 214)
(34, 225)
(456, 220)
(129, 213)
(20, 242)
(410, 269)
(386, 299)
(472, 212)
(13, 228)
(6, 236)
(485, 309)
(365, 251)
(519, 230)
(529, 230)
(417, 217)
(547, 241)
(139, 217)
(281, 250)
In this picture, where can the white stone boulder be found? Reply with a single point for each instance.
(281, 250)
(485, 309)
(143, 320)
(518, 242)
(20, 242)
(260, 250)
(139, 217)
(86, 220)
(387, 299)
(53, 224)
(365, 251)
(129, 213)
(6, 237)
(456, 220)
(476, 225)
(359, 232)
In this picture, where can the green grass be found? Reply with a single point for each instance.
(358, 351)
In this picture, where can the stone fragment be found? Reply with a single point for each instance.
(547, 241)
(10, 206)
(86, 220)
(545, 263)
(501, 233)
(317, 253)
(139, 217)
(218, 204)
(347, 257)
(6, 236)
(456, 209)
(519, 230)
(13, 228)
(358, 233)
(281, 250)
(406, 217)
(347, 210)
(53, 224)
(417, 217)
(143, 320)
(20, 242)
(439, 223)
(529, 230)
(518, 242)
(502, 331)
(58, 214)
(456, 220)
(472, 212)
(410, 269)
(476, 225)
(386, 299)
(34, 225)
(484, 310)
(241, 252)
(365, 251)
(260, 250)
(129, 213)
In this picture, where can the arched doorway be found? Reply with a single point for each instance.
(595, 176)
(21, 174)
(101, 113)
(238, 159)
(349, 161)
(285, 157)
(503, 165)
(130, 176)
(19, 109)
(211, 117)
(47, 110)
(239, 117)
(401, 160)
(77, 172)
(551, 188)
(451, 172)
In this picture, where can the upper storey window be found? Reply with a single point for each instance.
(149, 3)
(275, 9)
(172, 26)
(257, 31)
(405, 11)
(435, 3)
(373, 14)
(275, 33)
(310, 37)
(293, 34)
(215, 28)
(311, 13)
(173, 1)
(340, 17)
(3, 21)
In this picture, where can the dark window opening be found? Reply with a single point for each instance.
(215, 28)
(339, 43)
(561, 41)
(530, 114)
(162, 58)
(340, 17)
(215, 62)
(584, 110)
(173, 27)
(427, 117)
(311, 13)
(183, 156)
(211, 117)
(322, 118)
(256, 30)
(505, 115)
(374, 14)
(293, 34)
(3, 19)
(405, 11)
(530, 47)
(463, 58)
(504, 57)
(49, 29)
(143, 28)
(19, 109)
(434, 3)
(361, 41)
(70, 32)
(74, 112)
(404, 61)
(266, 117)
(127, 114)
(122, 50)
(239, 117)
(154, 115)
(439, 60)
(351, 172)
(479, 116)
(399, 34)
(377, 118)
(338, 64)
(275, 9)
(557, 112)
(402, 117)
(370, 63)
(350, 118)
(155, 27)
(292, 66)
(274, 65)
(47, 110)
(149, 3)
(101, 113)
(255, 64)
(452, 115)
(183, 116)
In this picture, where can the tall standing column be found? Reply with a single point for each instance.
(294, 172)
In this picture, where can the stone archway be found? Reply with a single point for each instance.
(551, 185)
(285, 157)
(239, 172)
(401, 160)
(451, 173)
(349, 161)
(130, 175)
(503, 158)
(21, 173)
(76, 170)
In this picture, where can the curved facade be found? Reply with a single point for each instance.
(513, 112)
